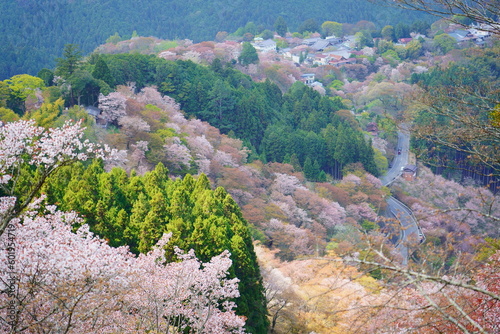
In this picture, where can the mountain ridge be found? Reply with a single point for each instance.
(33, 33)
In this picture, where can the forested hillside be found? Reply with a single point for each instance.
(276, 127)
(250, 167)
(137, 210)
(33, 32)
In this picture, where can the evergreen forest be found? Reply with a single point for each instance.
(33, 32)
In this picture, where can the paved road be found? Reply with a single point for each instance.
(410, 230)
(400, 160)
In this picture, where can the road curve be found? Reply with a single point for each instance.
(410, 230)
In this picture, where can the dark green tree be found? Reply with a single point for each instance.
(101, 71)
(401, 30)
(309, 25)
(267, 34)
(248, 55)
(70, 61)
(387, 33)
(312, 170)
(280, 26)
(46, 75)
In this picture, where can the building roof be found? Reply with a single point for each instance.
(459, 35)
(310, 41)
(320, 45)
(410, 168)
(93, 111)
(405, 40)
(343, 53)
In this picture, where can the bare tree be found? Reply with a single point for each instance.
(483, 12)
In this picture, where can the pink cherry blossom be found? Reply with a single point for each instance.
(23, 143)
(76, 283)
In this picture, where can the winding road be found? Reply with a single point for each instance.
(410, 230)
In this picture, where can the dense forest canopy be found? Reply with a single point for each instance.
(33, 32)
(277, 127)
(274, 160)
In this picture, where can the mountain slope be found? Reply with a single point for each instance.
(33, 32)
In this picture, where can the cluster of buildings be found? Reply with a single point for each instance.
(311, 51)
(477, 34)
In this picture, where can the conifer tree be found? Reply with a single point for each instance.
(101, 71)
(280, 26)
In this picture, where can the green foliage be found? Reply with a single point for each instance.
(102, 72)
(363, 38)
(20, 87)
(281, 44)
(309, 25)
(248, 55)
(137, 210)
(47, 114)
(421, 27)
(280, 26)
(388, 33)
(414, 49)
(5, 92)
(490, 247)
(23, 85)
(336, 84)
(368, 225)
(401, 30)
(330, 28)
(46, 75)
(114, 39)
(8, 115)
(380, 161)
(267, 34)
(392, 56)
(444, 43)
(165, 45)
(70, 61)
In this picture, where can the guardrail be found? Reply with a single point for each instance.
(413, 218)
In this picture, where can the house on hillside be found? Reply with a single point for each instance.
(308, 78)
(320, 45)
(481, 31)
(342, 62)
(460, 35)
(333, 40)
(295, 53)
(404, 41)
(320, 59)
(96, 113)
(92, 111)
(372, 128)
(409, 172)
(265, 46)
(349, 41)
(345, 54)
(310, 41)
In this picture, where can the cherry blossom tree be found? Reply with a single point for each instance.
(291, 240)
(201, 147)
(113, 107)
(131, 126)
(23, 145)
(177, 154)
(286, 184)
(438, 303)
(138, 156)
(66, 282)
